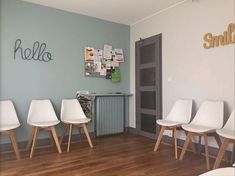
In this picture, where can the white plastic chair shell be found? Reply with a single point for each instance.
(227, 171)
(73, 115)
(179, 114)
(71, 112)
(8, 116)
(42, 114)
(228, 131)
(208, 118)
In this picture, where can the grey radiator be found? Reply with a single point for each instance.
(109, 115)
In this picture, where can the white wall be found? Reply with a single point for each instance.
(196, 72)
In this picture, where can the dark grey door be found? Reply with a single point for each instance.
(148, 85)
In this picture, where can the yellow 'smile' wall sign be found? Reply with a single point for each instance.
(228, 37)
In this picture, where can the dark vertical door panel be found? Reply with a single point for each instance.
(147, 53)
(148, 100)
(148, 85)
(147, 76)
(148, 123)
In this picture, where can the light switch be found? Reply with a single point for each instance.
(169, 78)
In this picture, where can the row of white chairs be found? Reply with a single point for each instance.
(208, 121)
(42, 117)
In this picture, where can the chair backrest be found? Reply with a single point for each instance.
(71, 109)
(230, 124)
(181, 111)
(41, 111)
(211, 114)
(8, 114)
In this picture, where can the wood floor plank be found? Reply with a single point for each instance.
(120, 155)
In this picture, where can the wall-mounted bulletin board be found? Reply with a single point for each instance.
(104, 62)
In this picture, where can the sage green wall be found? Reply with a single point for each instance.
(66, 34)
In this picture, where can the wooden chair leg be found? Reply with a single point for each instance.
(87, 134)
(191, 142)
(192, 145)
(220, 155)
(80, 133)
(218, 141)
(233, 154)
(56, 139)
(51, 139)
(175, 139)
(34, 141)
(63, 133)
(187, 142)
(159, 138)
(29, 144)
(200, 145)
(70, 135)
(172, 137)
(206, 152)
(14, 144)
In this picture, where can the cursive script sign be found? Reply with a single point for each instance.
(228, 37)
(37, 53)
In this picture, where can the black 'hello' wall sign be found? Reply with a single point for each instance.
(37, 53)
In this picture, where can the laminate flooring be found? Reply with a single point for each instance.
(118, 155)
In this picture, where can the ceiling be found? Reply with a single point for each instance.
(126, 12)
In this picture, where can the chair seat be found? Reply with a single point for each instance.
(227, 171)
(226, 133)
(198, 128)
(9, 126)
(44, 123)
(169, 123)
(76, 121)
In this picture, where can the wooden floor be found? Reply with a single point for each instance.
(121, 155)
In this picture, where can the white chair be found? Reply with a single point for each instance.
(73, 115)
(179, 114)
(9, 121)
(228, 133)
(42, 117)
(227, 171)
(208, 118)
